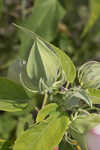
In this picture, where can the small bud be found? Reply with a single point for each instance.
(42, 69)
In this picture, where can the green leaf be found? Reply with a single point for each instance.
(94, 14)
(67, 65)
(50, 7)
(47, 110)
(45, 135)
(36, 22)
(95, 95)
(12, 96)
(89, 75)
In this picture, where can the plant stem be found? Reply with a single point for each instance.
(67, 85)
(44, 100)
(37, 109)
(78, 147)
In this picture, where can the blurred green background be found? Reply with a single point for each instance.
(72, 25)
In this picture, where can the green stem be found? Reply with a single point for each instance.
(67, 85)
(45, 100)
(37, 109)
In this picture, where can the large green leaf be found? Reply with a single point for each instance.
(45, 135)
(47, 110)
(44, 21)
(94, 14)
(12, 96)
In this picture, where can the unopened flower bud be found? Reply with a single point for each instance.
(42, 69)
(89, 75)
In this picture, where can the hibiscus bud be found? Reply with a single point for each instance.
(86, 131)
(42, 68)
(89, 75)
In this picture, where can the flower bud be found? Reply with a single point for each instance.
(86, 131)
(89, 75)
(42, 69)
